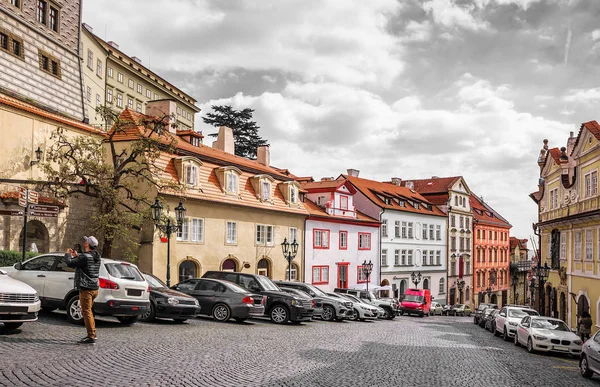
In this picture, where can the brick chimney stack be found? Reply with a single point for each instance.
(225, 140)
(263, 155)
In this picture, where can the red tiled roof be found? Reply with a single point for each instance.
(15, 103)
(317, 211)
(555, 153)
(592, 126)
(433, 185)
(437, 199)
(522, 243)
(190, 132)
(483, 213)
(324, 184)
(371, 189)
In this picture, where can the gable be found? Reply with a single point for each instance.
(460, 186)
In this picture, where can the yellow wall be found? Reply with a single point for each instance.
(210, 253)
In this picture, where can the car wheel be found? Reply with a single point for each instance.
(505, 335)
(475, 321)
(221, 312)
(388, 315)
(74, 314)
(180, 320)
(150, 314)
(355, 315)
(517, 340)
(495, 331)
(584, 368)
(279, 314)
(11, 326)
(530, 346)
(240, 319)
(128, 320)
(328, 313)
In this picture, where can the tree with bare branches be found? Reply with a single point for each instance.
(117, 170)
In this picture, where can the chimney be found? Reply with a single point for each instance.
(88, 27)
(571, 143)
(138, 60)
(396, 181)
(263, 155)
(225, 140)
(435, 177)
(353, 172)
(113, 44)
(161, 108)
(327, 179)
(410, 185)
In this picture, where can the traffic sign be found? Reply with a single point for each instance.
(22, 196)
(33, 197)
(12, 212)
(43, 211)
(43, 214)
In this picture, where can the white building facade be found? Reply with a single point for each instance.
(338, 239)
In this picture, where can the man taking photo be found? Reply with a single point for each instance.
(87, 268)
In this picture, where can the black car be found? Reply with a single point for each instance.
(480, 308)
(223, 299)
(484, 316)
(327, 308)
(168, 303)
(280, 307)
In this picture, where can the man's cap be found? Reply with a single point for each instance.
(91, 240)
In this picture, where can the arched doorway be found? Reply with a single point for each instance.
(494, 299)
(264, 268)
(188, 269)
(582, 305)
(229, 265)
(37, 234)
(425, 283)
(563, 307)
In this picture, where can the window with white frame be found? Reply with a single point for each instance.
(409, 258)
(578, 241)
(397, 257)
(362, 276)
(364, 241)
(321, 200)
(320, 239)
(148, 93)
(90, 60)
(119, 100)
(191, 174)
(410, 230)
(183, 233)
(554, 198)
(431, 259)
(99, 68)
(264, 235)
(293, 235)
(563, 245)
(343, 202)
(130, 103)
(98, 102)
(384, 229)
(343, 240)
(438, 258)
(192, 230)
(231, 178)
(425, 230)
(594, 183)
(467, 223)
(293, 194)
(425, 254)
(453, 221)
(438, 233)
(589, 245)
(109, 95)
(130, 83)
(156, 96)
(138, 107)
(140, 89)
(119, 77)
(293, 272)
(384, 257)
(442, 287)
(231, 233)
(320, 275)
(109, 72)
(461, 222)
(404, 228)
(403, 258)
(265, 190)
(432, 232)
(397, 229)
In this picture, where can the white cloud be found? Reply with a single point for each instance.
(584, 96)
(524, 4)
(450, 14)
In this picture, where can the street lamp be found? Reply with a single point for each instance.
(542, 273)
(514, 281)
(416, 279)
(38, 156)
(167, 228)
(289, 253)
(460, 284)
(367, 269)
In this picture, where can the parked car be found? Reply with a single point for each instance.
(484, 315)
(280, 307)
(479, 310)
(416, 301)
(490, 321)
(169, 303)
(389, 305)
(589, 363)
(223, 299)
(360, 309)
(332, 309)
(123, 293)
(446, 309)
(460, 310)
(547, 334)
(509, 318)
(436, 309)
(317, 302)
(19, 302)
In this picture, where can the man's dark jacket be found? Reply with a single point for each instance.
(87, 268)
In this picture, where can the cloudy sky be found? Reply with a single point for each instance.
(406, 88)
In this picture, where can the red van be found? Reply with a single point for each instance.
(416, 301)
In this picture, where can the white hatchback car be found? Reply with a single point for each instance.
(123, 293)
(361, 310)
(436, 308)
(19, 302)
(547, 334)
(589, 363)
(508, 318)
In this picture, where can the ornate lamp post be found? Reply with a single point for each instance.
(460, 285)
(168, 228)
(289, 253)
(416, 279)
(542, 273)
(367, 269)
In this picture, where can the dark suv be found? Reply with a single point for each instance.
(280, 307)
(332, 309)
(479, 311)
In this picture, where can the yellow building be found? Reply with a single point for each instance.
(112, 78)
(569, 226)
(239, 211)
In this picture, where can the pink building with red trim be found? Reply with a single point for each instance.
(338, 238)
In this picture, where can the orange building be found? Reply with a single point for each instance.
(491, 266)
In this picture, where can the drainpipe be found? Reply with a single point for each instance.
(381, 245)
(304, 252)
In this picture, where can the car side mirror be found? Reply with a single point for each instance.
(255, 289)
(502, 315)
(18, 266)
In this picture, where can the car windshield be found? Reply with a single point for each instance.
(267, 284)
(413, 298)
(353, 298)
(235, 287)
(522, 312)
(124, 271)
(154, 282)
(555, 325)
(316, 290)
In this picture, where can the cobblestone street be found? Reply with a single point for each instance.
(434, 351)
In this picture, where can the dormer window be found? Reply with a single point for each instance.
(232, 182)
(293, 195)
(321, 200)
(290, 190)
(344, 202)
(229, 177)
(416, 206)
(188, 170)
(191, 174)
(265, 190)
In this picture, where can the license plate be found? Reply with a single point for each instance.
(561, 348)
(134, 292)
(14, 309)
